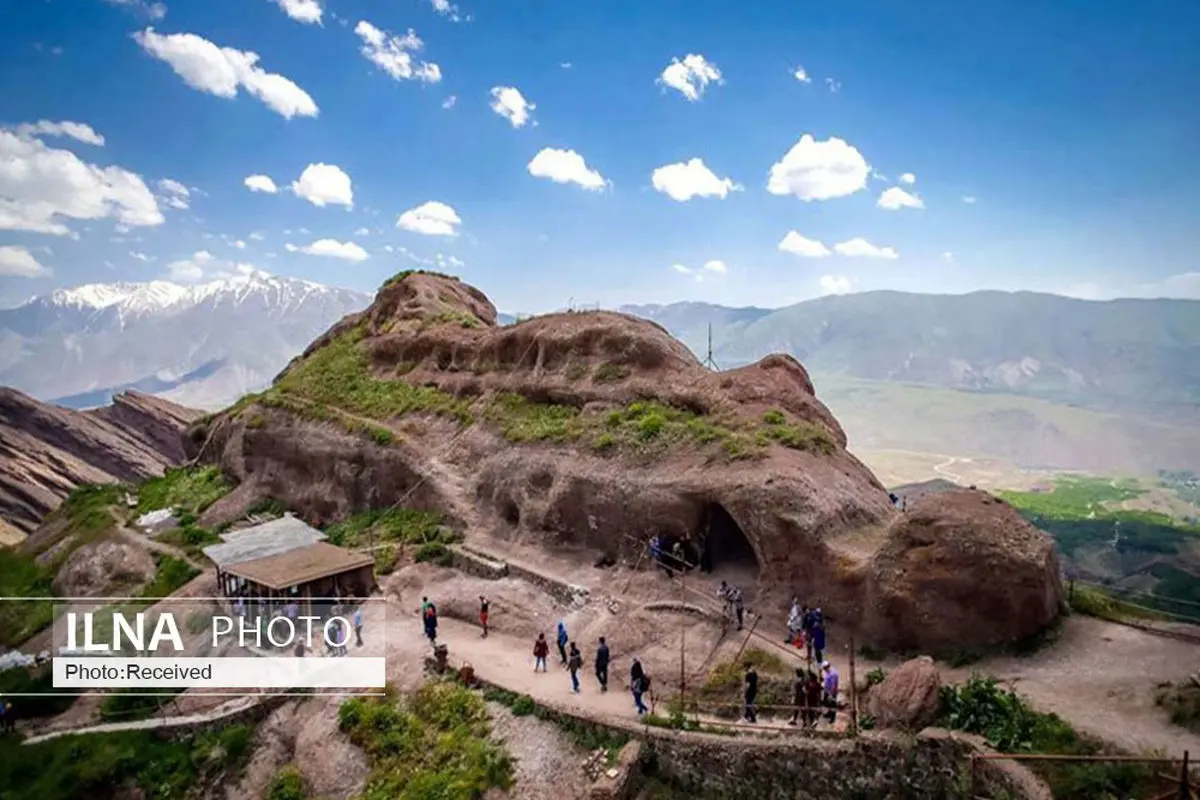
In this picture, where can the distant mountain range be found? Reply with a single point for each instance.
(202, 346)
(1124, 355)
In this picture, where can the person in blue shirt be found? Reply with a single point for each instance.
(358, 623)
(562, 642)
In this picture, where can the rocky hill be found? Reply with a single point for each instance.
(45, 450)
(597, 430)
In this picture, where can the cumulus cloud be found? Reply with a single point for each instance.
(331, 248)
(362, 232)
(799, 74)
(969, 200)
(324, 184)
(508, 102)
(716, 265)
(152, 11)
(819, 170)
(447, 10)
(432, 219)
(681, 269)
(908, 178)
(174, 194)
(799, 245)
(221, 71)
(258, 236)
(394, 54)
(691, 76)
(260, 183)
(74, 130)
(686, 180)
(565, 166)
(305, 11)
(836, 284)
(42, 185)
(140, 256)
(191, 270)
(861, 248)
(18, 262)
(450, 101)
(895, 198)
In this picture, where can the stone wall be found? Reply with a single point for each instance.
(250, 714)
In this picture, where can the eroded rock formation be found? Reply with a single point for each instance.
(45, 450)
(592, 430)
(908, 697)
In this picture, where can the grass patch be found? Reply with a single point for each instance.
(981, 706)
(268, 505)
(192, 539)
(169, 577)
(97, 765)
(123, 706)
(22, 576)
(338, 375)
(186, 489)
(1182, 702)
(88, 509)
(722, 689)
(522, 421)
(435, 745)
(461, 318)
(386, 558)
(399, 525)
(399, 276)
(799, 435)
(288, 784)
(610, 373)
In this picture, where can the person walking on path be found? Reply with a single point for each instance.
(574, 664)
(562, 642)
(637, 685)
(748, 711)
(818, 641)
(483, 614)
(541, 649)
(812, 699)
(602, 658)
(797, 696)
(830, 689)
(431, 622)
(739, 605)
(725, 595)
(795, 622)
(358, 623)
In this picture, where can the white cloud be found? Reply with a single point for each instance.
(834, 86)
(948, 257)
(861, 248)
(683, 181)
(448, 262)
(450, 101)
(691, 76)
(431, 218)
(908, 178)
(153, 11)
(258, 236)
(508, 102)
(895, 198)
(305, 11)
(239, 244)
(799, 245)
(140, 256)
(394, 54)
(566, 65)
(221, 71)
(324, 184)
(819, 170)
(969, 200)
(800, 75)
(363, 232)
(75, 130)
(680, 268)
(565, 166)
(175, 194)
(39, 185)
(836, 284)
(446, 9)
(331, 248)
(18, 262)
(190, 270)
(260, 183)
(716, 266)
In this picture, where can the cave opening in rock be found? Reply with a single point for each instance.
(727, 552)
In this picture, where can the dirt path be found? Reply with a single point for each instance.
(156, 546)
(1101, 677)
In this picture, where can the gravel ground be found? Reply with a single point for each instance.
(549, 765)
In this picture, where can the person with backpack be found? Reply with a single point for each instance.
(561, 640)
(541, 649)
(574, 664)
(602, 664)
(431, 622)
(638, 684)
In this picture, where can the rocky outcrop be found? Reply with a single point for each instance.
(962, 567)
(908, 697)
(591, 430)
(107, 568)
(45, 450)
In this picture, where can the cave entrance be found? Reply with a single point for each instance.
(727, 552)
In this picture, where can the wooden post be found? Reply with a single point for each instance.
(853, 693)
(1185, 791)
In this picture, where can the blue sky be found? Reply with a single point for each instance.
(1073, 125)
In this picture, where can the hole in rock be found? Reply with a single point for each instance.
(726, 550)
(511, 513)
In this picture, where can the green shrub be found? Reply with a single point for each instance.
(385, 559)
(400, 525)
(774, 417)
(610, 373)
(22, 576)
(288, 784)
(603, 442)
(171, 575)
(876, 676)
(650, 426)
(1182, 702)
(382, 436)
(191, 489)
(523, 706)
(434, 552)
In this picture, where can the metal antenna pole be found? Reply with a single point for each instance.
(709, 361)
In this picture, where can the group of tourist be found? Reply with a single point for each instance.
(806, 629)
(571, 659)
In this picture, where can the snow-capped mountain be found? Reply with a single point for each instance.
(203, 345)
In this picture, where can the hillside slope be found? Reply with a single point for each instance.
(46, 451)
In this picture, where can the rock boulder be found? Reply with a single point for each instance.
(908, 697)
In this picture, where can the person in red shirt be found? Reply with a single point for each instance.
(541, 649)
(483, 614)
